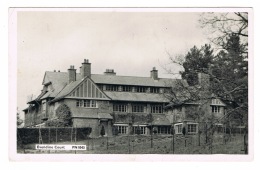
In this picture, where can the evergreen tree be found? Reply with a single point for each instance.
(231, 69)
(196, 60)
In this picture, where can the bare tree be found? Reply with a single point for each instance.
(220, 26)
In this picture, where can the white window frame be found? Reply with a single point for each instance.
(122, 128)
(215, 109)
(196, 128)
(216, 102)
(86, 103)
(178, 128)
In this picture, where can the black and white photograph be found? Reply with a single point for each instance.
(133, 81)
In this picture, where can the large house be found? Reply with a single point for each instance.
(127, 104)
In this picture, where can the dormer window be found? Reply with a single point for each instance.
(140, 89)
(126, 88)
(154, 90)
(112, 87)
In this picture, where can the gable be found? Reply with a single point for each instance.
(87, 89)
(217, 102)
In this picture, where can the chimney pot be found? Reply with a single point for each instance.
(86, 61)
(109, 72)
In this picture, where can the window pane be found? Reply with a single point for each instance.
(120, 108)
(192, 128)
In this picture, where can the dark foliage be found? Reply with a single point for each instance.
(63, 114)
(196, 60)
(31, 135)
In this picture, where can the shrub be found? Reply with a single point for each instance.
(63, 114)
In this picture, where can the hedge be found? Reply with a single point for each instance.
(50, 135)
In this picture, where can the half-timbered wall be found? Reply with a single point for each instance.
(87, 89)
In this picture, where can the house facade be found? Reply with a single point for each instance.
(120, 104)
(193, 117)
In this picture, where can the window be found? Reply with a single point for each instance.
(140, 89)
(178, 128)
(100, 86)
(138, 108)
(111, 88)
(122, 129)
(154, 90)
(192, 127)
(120, 107)
(164, 130)
(86, 103)
(156, 109)
(126, 88)
(93, 103)
(215, 109)
(141, 128)
(80, 103)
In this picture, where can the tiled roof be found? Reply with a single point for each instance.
(64, 92)
(61, 78)
(58, 80)
(61, 88)
(141, 97)
(130, 80)
(104, 116)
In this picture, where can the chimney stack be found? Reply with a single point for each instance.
(203, 80)
(72, 74)
(110, 72)
(154, 74)
(85, 69)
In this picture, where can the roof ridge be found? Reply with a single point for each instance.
(136, 76)
(119, 75)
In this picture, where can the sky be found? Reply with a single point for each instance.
(131, 43)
